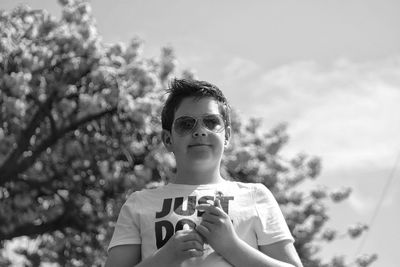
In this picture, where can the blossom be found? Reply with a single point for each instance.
(18, 83)
(357, 229)
(318, 193)
(329, 234)
(15, 107)
(340, 194)
(366, 259)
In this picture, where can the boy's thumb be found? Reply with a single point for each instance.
(217, 203)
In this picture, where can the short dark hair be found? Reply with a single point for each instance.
(183, 88)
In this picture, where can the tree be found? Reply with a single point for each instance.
(79, 131)
(255, 156)
(78, 120)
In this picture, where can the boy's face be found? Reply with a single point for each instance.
(200, 148)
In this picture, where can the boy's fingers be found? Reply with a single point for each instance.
(192, 236)
(193, 253)
(203, 231)
(210, 209)
(207, 225)
(192, 244)
(207, 217)
(203, 207)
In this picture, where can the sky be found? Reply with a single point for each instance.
(329, 69)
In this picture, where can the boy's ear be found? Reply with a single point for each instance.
(227, 135)
(167, 139)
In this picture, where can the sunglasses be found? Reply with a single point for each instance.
(184, 125)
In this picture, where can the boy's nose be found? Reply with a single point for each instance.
(198, 133)
(199, 130)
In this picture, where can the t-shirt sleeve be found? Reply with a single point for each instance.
(127, 230)
(270, 225)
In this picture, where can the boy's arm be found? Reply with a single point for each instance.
(242, 254)
(123, 256)
(218, 231)
(130, 256)
(283, 251)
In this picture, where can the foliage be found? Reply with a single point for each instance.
(79, 131)
(73, 132)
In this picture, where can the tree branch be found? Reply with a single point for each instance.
(23, 139)
(31, 229)
(67, 219)
(25, 163)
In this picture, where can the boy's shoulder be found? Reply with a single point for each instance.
(257, 190)
(251, 186)
(147, 191)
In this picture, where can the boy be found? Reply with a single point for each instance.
(200, 219)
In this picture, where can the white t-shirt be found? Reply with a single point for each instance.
(151, 216)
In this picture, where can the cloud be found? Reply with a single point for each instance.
(362, 204)
(240, 68)
(346, 112)
(367, 204)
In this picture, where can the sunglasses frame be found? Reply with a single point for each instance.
(197, 119)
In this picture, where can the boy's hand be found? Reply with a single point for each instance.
(216, 227)
(183, 245)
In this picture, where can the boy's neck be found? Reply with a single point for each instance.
(197, 178)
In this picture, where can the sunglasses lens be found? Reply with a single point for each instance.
(214, 123)
(184, 125)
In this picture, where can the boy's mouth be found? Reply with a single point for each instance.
(198, 145)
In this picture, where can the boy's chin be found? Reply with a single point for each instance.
(202, 164)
